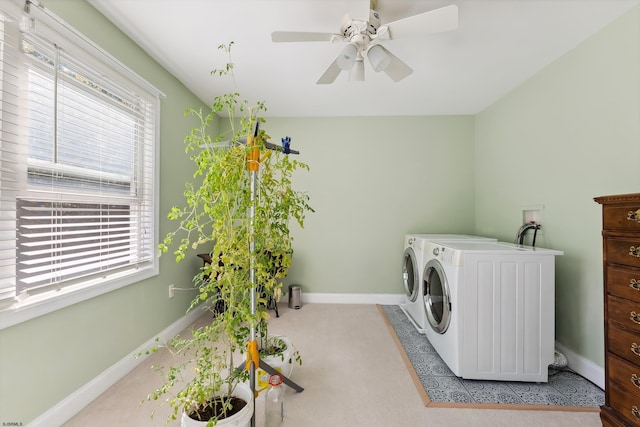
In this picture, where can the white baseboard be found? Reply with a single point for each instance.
(582, 366)
(384, 299)
(66, 409)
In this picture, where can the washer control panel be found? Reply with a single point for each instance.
(444, 254)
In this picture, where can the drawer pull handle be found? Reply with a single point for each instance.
(634, 216)
(635, 284)
(635, 318)
(635, 380)
(635, 349)
(635, 412)
(633, 251)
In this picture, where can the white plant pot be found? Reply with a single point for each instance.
(283, 364)
(241, 419)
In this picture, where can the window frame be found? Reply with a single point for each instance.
(40, 303)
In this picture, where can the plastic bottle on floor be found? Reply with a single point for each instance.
(274, 402)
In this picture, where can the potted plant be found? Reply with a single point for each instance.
(276, 351)
(246, 230)
(216, 393)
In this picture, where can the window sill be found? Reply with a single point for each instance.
(48, 302)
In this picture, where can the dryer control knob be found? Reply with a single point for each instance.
(436, 251)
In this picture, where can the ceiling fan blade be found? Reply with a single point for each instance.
(433, 21)
(330, 74)
(297, 36)
(396, 69)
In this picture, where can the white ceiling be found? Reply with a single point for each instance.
(499, 44)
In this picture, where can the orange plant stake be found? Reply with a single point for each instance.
(254, 154)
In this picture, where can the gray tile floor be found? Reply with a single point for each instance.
(565, 388)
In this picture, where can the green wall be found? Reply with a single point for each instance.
(567, 135)
(44, 360)
(373, 180)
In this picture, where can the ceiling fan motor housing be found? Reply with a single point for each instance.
(360, 32)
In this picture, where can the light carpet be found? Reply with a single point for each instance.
(439, 387)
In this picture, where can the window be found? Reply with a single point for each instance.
(77, 167)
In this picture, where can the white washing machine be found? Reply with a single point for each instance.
(490, 308)
(412, 267)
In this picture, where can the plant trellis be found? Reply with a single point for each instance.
(253, 361)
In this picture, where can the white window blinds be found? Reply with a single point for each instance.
(77, 166)
(12, 152)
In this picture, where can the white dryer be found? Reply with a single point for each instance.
(490, 308)
(413, 264)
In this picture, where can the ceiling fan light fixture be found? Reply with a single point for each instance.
(357, 73)
(347, 57)
(378, 58)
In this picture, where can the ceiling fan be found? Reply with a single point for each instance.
(365, 38)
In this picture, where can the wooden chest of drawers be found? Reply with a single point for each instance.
(621, 258)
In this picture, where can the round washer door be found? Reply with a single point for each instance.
(410, 274)
(437, 301)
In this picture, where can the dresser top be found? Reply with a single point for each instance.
(618, 199)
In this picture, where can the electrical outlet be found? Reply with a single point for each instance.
(534, 213)
(172, 289)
